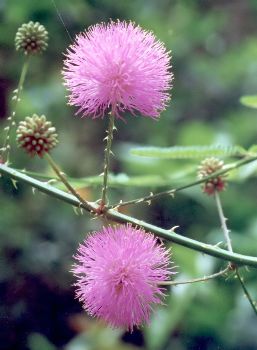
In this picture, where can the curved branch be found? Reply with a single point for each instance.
(121, 218)
(196, 280)
(154, 196)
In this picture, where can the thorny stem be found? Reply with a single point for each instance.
(114, 215)
(172, 192)
(223, 221)
(107, 153)
(200, 279)
(225, 229)
(253, 303)
(5, 150)
(61, 176)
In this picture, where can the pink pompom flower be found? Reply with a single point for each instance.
(115, 67)
(119, 270)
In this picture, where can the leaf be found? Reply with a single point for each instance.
(188, 152)
(249, 101)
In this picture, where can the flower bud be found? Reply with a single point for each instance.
(207, 167)
(36, 135)
(31, 38)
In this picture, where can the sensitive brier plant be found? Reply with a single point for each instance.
(119, 270)
(116, 67)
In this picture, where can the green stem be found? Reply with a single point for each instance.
(114, 215)
(253, 303)
(172, 192)
(225, 229)
(61, 176)
(107, 153)
(5, 150)
(200, 279)
(223, 221)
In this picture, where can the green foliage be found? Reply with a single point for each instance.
(188, 152)
(119, 180)
(249, 101)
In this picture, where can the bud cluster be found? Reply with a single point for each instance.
(36, 135)
(207, 167)
(31, 38)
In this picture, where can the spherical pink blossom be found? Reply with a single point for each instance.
(116, 67)
(119, 270)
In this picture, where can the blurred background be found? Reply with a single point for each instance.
(214, 49)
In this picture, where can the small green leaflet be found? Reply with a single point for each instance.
(249, 101)
(188, 152)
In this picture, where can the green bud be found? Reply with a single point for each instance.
(36, 135)
(31, 38)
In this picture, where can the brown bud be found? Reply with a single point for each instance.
(207, 167)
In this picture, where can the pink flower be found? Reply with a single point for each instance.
(119, 270)
(117, 66)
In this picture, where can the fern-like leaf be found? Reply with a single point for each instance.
(188, 152)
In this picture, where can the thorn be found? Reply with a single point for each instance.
(14, 182)
(173, 228)
(75, 209)
(51, 181)
(116, 208)
(140, 200)
(33, 190)
(149, 202)
(218, 244)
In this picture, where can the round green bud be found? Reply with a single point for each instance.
(36, 135)
(31, 38)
